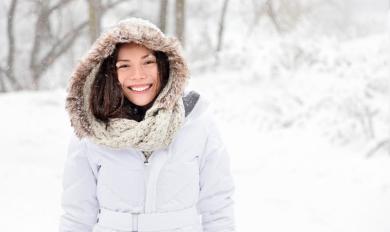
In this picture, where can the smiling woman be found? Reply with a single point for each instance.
(146, 156)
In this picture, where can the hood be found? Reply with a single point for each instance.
(165, 116)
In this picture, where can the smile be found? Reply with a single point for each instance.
(140, 88)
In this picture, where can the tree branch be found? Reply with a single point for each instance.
(110, 5)
(60, 47)
(58, 5)
(382, 144)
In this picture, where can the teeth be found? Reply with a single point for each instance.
(139, 89)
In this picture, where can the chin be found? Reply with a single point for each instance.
(141, 103)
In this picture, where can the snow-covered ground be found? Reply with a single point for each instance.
(298, 153)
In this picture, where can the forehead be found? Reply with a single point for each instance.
(133, 50)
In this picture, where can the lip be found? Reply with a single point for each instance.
(140, 85)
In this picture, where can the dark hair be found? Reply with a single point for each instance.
(107, 99)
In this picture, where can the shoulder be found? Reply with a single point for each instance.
(192, 137)
(201, 120)
(84, 148)
(76, 144)
(204, 116)
(197, 106)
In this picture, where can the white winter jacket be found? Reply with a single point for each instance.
(108, 185)
(192, 172)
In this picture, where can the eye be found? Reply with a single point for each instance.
(150, 61)
(122, 66)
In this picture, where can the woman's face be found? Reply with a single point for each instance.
(138, 73)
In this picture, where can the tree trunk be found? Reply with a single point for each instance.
(180, 20)
(39, 38)
(265, 9)
(222, 25)
(163, 15)
(9, 70)
(95, 15)
(272, 15)
(2, 84)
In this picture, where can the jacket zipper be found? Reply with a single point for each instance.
(153, 165)
(147, 163)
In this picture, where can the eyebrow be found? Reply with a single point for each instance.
(141, 57)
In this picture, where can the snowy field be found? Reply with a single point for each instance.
(299, 160)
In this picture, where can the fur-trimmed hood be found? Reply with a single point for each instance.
(161, 121)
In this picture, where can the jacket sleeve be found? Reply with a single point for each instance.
(216, 186)
(79, 200)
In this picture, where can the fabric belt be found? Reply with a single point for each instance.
(148, 221)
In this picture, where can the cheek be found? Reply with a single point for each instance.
(156, 79)
(121, 79)
(158, 83)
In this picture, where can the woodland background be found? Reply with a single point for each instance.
(300, 89)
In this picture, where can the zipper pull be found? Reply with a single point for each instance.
(147, 156)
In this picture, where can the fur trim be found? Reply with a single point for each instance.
(162, 120)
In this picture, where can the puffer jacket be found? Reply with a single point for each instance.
(193, 172)
(109, 185)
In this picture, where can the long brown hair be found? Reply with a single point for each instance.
(107, 99)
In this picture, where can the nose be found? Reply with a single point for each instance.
(139, 73)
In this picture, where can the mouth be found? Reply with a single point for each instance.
(139, 88)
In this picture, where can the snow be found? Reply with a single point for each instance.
(290, 178)
(298, 115)
(34, 137)
(296, 182)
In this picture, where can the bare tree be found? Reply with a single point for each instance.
(9, 71)
(283, 14)
(266, 9)
(2, 84)
(95, 15)
(47, 45)
(96, 11)
(271, 13)
(58, 45)
(163, 15)
(180, 20)
(222, 25)
(39, 63)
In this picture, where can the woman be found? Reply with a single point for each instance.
(146, 156)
